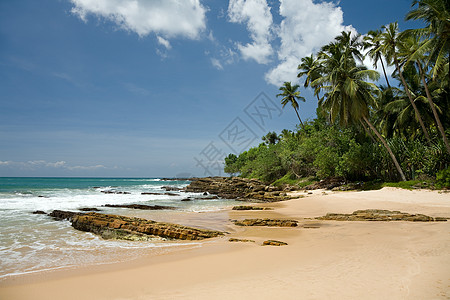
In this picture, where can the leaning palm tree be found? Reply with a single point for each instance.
(373, 45)
(412, 50)
(291, 95)
(436, 15)
(390, 41)
(348, 93)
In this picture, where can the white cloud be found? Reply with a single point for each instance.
(256, 14)
(40, 164)
(216, 63)
(306, 27)
(164, 42)
(163, 17)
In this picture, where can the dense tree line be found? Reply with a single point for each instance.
(365, 131)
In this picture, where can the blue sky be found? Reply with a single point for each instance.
(148, 88)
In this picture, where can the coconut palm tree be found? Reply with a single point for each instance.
(412, 49)
(310, 67)
(291, 95)
(390, 41)
(373, 45)
(436, 15)
(348, 94)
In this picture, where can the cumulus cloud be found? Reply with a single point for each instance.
(258, 18)
(306, 27)
(164, 42)
(163, 17)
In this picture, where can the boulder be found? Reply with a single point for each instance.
(89, 209)
(39, 212)
(274, 243)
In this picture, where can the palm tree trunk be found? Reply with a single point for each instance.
(384, 71)
(394, 159)
(367, 131)
(433, 109)
(299, 118)
(419, 118)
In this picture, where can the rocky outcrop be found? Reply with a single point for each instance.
(39, 212)
(247, 207)
(266, 222)
(141, 206)
(63, 215)
(240, 240)
(274, 243)
(379, 215)
(171, 188)
(89, 209)
(118, 227)
(237, 188)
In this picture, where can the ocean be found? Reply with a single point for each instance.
(31, 243)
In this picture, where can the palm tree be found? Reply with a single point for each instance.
(348, 93)
(436, 15)
(411, 49)
(310, 67)
(291, 95)
(390, 41)
(372, 42)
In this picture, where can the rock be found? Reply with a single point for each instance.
(380, 215)
(63, 215)
(89, 209)
(186, 199)
(328, 184)
(140, 206)
(205, 194)
(171, 194)
(266, 222)
(171, 188)
(113, 226)
(247, 207)
(240, 240)
(148, 193)
(274, 243)
(39, 212)
(116, 192)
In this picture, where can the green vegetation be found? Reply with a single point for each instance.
(365, 132)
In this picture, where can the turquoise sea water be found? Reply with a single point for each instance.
(33, 243)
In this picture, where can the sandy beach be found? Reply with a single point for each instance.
(323, 259)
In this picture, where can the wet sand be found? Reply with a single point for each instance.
(323, 259)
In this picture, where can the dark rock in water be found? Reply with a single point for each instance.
(89, 209)
(40, 196)
(39, 212)
(171, 194)
(63, 215)
(186, 199)
(380, 215)
(115, 192)
(247, 207)
(273, 243)
(149, 193)
(266, 222)
(205, 194)
(140, 206)
(113, 226)
(171, 188)
(237, 188)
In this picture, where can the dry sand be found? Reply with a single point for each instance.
(323, 259)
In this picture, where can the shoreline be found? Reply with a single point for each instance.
(396, 260)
